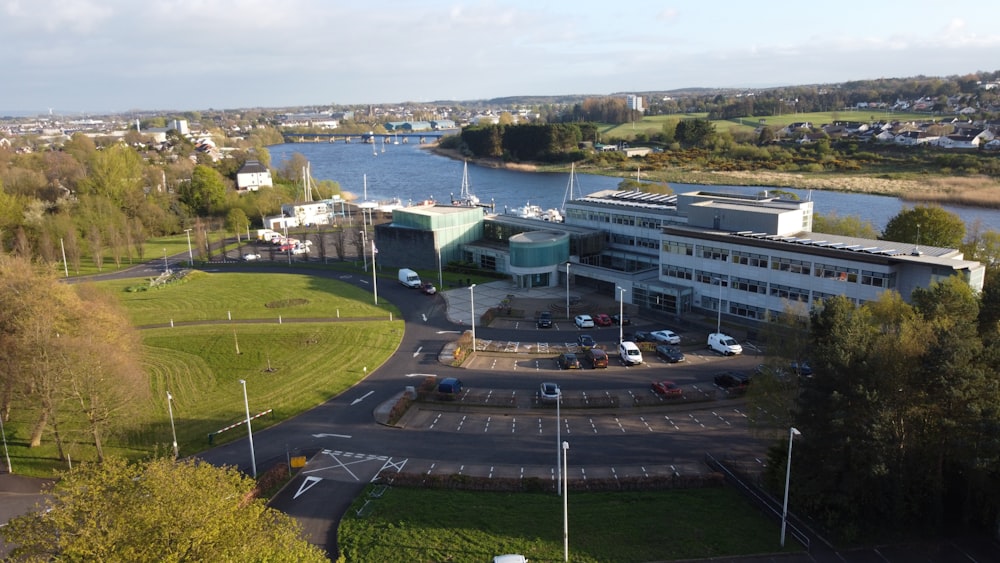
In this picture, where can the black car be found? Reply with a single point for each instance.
(544, 320)
(585, 341)
(802, 368)
(732, 380)
(621, 320)
(568, 360)
(669, 353)
(640, 336)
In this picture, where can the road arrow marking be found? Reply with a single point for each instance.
(421, 375)
(449, 332)
(424, 316)
(361, 398)
(330, 436)
(417, 353)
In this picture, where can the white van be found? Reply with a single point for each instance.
(629, 353)
(409, 278)
(510, 558)
(724, 344)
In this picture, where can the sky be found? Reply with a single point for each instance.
(104, 56)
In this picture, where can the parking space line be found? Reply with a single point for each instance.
(620, 427)
(487, 427)
(461, 422)
(648, 427)
(436, 419)
(696, 420)
(513, 425)
(540, 425)
(668, 419)
(592, 425)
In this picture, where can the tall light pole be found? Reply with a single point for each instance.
(718, 323)
(558, 442)
(190, 254)
(246, 403)
(374, 279)
(621, 315)
(565, 447)
(472, 302)
(792, 433)
(6, 454)
(166, 265)
(567, 290)
(364, 252)
(173, 431)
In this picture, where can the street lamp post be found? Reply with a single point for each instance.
(472, 303)
(364, 244)
(718, 323)
(374, 278)
(6, 454)
(190, 254)
(166, 265)
(565, 447)
(558, 443)
(621, 315)
(173, 431)
(567, 290)
(792, 433)
(246, 403)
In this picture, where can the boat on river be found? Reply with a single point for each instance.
(465, 197)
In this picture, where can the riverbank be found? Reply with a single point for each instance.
(970, 191)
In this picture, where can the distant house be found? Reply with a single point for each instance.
(913, 138)
(252, 176)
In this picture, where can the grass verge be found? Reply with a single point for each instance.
(406, 524)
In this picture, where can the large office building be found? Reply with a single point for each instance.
(753, 257)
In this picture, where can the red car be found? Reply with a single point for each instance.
(602, 319)
(667, 389)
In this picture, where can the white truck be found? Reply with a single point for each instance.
(409, 278)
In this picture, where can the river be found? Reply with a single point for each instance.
(412, 174)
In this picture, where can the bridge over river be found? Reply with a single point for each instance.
(376, 138)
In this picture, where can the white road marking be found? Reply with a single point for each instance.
(307, 484)
(417, 353)
(330, 436)
(361, 398)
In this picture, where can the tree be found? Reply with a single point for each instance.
(848, 226)
(236, 221)
(159, 510)
(926, 225)
(206, 191)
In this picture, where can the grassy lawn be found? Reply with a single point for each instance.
(427, 525)
(203, 297)
(310, 362)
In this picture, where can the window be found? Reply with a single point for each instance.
(788, 292)
(750, 259)
(753, 286)
(747, 311)
(838, 273)
(878, 279)
(677, 272)
(682, 248)
(713, 253)
(711, 278)
(647, 223)
(789, 265)
(487, 262)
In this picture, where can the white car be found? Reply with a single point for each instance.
(629, 353)
(724, 344)
(548, 392)
(584, 321)
(666, 336)
(249, 257)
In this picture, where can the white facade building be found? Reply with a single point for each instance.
(252, 176)
(633, 102)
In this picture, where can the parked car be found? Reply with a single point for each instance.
(544, 320)
(669, 353)
(629, 354)
(249, 257)
(428, 289)
(732, 380)
(449, 387)
(568, 360)
(598, 358)
(724, 344)
(667, 388)
(770, 371)
(668, 336)
(548, 393)
(585, 341)
(602, 319)
(639, 336)
(802, 368)
(584, 321)
(621, 320)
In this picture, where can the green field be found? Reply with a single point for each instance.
(408, 524)
(289, 366)
(651, 125)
